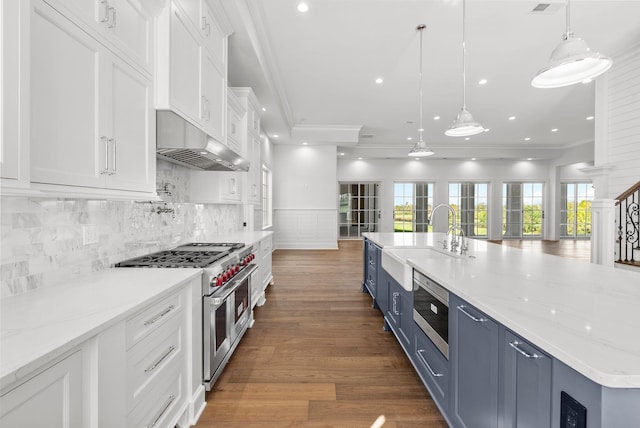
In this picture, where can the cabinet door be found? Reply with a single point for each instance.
(214, 99)
(382, 291)
(527, 384)
(230, 185)
(184, 67)
(53, 398)
(255, 172)
(9, 90)
(130, 29)
(67, 101)
(214, 39)
(475, 355)
(132, 136)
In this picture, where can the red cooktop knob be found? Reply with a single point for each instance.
(237, 269)
(218, 281)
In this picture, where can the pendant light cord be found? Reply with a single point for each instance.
(464, 55)
(420, 28)
(568, 34)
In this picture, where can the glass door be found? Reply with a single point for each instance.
(522, 210)
(358, 210)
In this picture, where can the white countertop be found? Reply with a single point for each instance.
(249, 237)
(581, 313)
(38, 326)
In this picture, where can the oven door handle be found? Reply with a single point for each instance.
(246, 273)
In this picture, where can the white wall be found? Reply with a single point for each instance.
(304, 196)
(622, 124)
(495, 172)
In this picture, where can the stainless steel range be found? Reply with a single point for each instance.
(226, 291)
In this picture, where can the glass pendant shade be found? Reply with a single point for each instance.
(464, 125)
(420, 149)
(571, 62)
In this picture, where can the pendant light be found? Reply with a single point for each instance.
(571, 62)
(420, 149)
(464, 125)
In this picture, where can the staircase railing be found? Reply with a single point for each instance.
(628, 226)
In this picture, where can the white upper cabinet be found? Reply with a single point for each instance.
(251, 143)
(92, 122)
(9, 92)
(191, 71)
(236, 134)
(124, 25)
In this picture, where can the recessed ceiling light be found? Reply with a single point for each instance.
(473, 158)
(409, 138)
(590, 117)
(512, 118)
(467, 138)
(304, 143)
(436, 117)
(303, 7)
(275, 135)
(341, 154)
(416, 159)
(554, 130)
(264, 109)
(527, 139)
(359, 158)
(585, 81)
(379, 81)
(482, 82)
(487, 129)
(529, 158)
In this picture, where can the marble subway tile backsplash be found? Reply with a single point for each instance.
(47, 241)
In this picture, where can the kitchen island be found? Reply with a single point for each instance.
(578, 315)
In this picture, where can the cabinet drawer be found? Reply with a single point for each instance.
(152, 318)
(266, 246)
(432, 367)
(149, 361)
(161, 405)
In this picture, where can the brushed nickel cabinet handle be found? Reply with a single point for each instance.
(160, 360)
(424, 360)
(162, 412)
(112, 17)
(159, 316)
(521, 351)
(105, 15)
(104, 140)
(461, 309)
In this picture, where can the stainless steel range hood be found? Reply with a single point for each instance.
(180, 142)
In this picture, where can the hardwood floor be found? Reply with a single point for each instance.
(317, 355)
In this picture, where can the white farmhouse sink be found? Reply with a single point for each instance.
(394, 261)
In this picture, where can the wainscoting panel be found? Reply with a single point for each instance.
(305, 229)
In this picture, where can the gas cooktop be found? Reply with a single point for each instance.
(193, 255)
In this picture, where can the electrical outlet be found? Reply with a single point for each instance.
(89, 234)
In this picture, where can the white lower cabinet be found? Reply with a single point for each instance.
(145, 371)
(53, 398)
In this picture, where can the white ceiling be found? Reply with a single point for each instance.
(315, 72)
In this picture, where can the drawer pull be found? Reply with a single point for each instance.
(515, 346)
(159, 316)
(461, 309)
(161, 359)
(162, 412)
(424, 360)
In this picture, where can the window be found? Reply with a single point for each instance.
(470, 201)
(575, 210)
(522, 212)
(358, 209)
(412, 204)
(267, 216)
